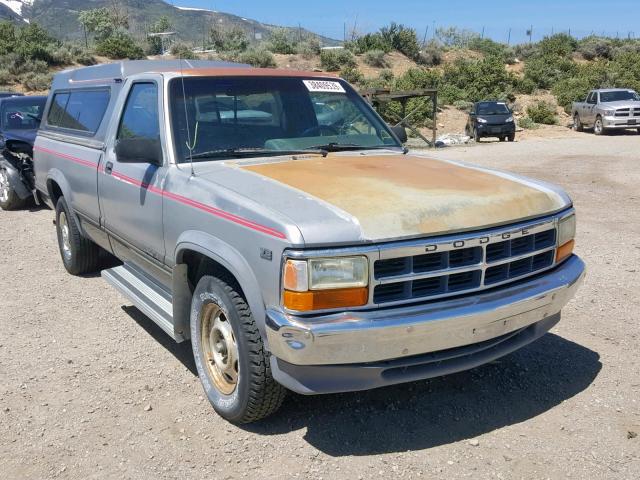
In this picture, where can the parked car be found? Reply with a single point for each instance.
(607, 109)
(10, 94)
(309, 252)
(19, 121)
(491, 119)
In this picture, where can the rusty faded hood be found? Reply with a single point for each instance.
(400, 196)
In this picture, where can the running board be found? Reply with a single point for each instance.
(152, 299)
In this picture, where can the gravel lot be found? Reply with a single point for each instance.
(90, 388)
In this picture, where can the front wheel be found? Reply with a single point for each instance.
(511, 137)
(232, 363)
(476, 135)
(598, 126)
(9, 199)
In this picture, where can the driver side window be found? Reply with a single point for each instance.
(140, 116)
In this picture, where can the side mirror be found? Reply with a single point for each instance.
(400, 132)
(139, 150)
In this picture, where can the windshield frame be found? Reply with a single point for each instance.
(171, 104)
(492, 104)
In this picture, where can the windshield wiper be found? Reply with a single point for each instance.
(254, 152)
(341, 147)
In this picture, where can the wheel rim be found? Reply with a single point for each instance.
(219, 348)
(576, 122)
(64, 234)
(4, 186)
(598, 126)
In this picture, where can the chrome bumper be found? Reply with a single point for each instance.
(385, 334)
(620, 123)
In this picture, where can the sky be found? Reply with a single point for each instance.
(496, 17)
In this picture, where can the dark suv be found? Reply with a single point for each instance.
(491, 119)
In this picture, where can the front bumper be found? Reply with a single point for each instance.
(488, 130)
(620, 123)
(356, 338)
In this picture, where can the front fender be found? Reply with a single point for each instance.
(232, 260)
(14, 179)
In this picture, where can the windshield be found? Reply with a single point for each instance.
(270, 115)
(22, 115)
(492, 108)
(618, 95)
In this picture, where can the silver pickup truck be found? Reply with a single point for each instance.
(273, 219)
(607, 109)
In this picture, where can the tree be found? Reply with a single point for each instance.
(104, 22)
(231, 40)
(163, 24)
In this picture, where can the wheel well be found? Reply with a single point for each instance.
(55, 192)
(199, 265)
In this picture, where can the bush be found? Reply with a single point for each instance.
(463, 105)
(586, 78)
(431, 54)
(336, 59)
(401, 38)
(257, 57)
(118, 46)
(229, 40)
(527, 124)
(376, 58)
(595, 47)
(352, 75)
(526, 85)
(309, 49)
(368, 42)
(280, 41)
(37, 81)
(560, 44)
(488, 47)
(182, 50)
(547, 70)
(475, 80)
(542, 112)
(455, 37)
(6, 78)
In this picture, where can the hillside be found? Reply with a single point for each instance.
(60, 18)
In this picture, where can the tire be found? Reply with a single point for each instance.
(577, 124)
(511, 137)
(503, 139)
(223, 330)
(476, 135)
(79, 254)
(598, 127)
(9, 199)
(638, 130)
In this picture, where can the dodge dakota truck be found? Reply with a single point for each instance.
(607, 109)
(272, 219)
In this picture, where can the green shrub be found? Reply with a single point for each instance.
(336, 59)
(595, 47)
(542, 112)
(182, 50)
(560, 44)
(489, 47)
(527, 124)
(352, 74)
(119, 45)
(455, 37)
(228, 40)
(526, 85)
(37, 81)
(368, 42)
(280, 41)
(6, 78)
(431, 54)
(401, 38)
(257, 57)
(309, 48)
(376, 58)
(475, 80)
(546, 70)
(463, 105)
(576, 87)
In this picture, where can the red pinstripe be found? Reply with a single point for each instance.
(177, 198)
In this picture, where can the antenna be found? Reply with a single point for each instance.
(190, 146)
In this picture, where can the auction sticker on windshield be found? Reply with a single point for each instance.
(323, 86)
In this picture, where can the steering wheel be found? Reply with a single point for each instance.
(309, 132)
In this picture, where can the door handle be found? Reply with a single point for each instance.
(108, 168)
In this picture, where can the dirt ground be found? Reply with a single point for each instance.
(90, 388)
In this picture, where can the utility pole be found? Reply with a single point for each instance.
(424, 40)
(509, 37)
(482, 35)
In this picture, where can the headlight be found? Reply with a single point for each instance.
(482, 120)
(609, 113)
(325, 283)
(509, 120)
(566, 235)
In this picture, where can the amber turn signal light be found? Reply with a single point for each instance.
(325, 299)
(565, 250)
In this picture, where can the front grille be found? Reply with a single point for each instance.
(622, 112)
(453, 267)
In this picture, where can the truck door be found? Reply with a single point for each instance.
(131, 193)
(590, 109)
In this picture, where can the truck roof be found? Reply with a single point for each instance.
(612, 89)
(108, 72)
